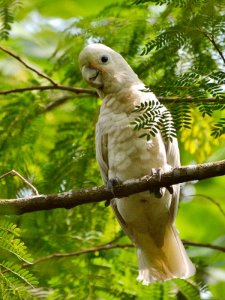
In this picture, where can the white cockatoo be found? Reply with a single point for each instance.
(147, 219)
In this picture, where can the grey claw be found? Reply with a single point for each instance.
(158, 193)
(111, 183)
(157, 173)
(170, 189)
(107, 202)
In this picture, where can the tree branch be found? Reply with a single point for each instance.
(213, 42)
(204, 245)
(211, 200)
(109, 246)
(91, 92)
(96, 194)
(217, 49)
(51, 87)
(15, 173)
(18, 58)
(56, 86)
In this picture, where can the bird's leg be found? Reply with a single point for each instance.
(157, 173)
(111, 183)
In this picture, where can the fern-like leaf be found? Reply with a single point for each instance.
(152, 119)
(10, 242)
(219, 128)
(172, 37)
(176, 3)
(19, 273)
(7, 10)
(181, 114)
(14, 278)
(188, 289)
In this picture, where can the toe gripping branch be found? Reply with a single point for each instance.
(111, 183)
(157, 173)
(158, 192)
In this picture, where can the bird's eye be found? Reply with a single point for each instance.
(104, 59)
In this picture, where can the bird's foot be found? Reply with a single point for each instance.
(157, 173)
(111, 183)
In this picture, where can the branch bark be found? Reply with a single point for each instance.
(93, 93)
(55, 86)
(15, 173)
(51, 87)
(215, 45)
(109, 246)
(97, 194)
(18, 58)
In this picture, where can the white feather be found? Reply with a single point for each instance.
(147, 220)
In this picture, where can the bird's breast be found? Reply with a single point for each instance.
(129, 156)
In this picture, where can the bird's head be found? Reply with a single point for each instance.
(105, 69)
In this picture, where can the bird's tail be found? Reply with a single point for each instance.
(163, 262)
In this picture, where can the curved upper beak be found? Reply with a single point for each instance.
(92, 76)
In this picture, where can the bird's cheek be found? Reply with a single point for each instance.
(92, 76)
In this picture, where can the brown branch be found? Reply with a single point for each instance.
(164, 100)
(15, 173)
(52, 105)
(96, 194)
(56, 86)
(51, 87)
(56, 103)
(211, 200)
(217, 49)
(189, 99)
(94, 93)
(109, 246)
(204, 245)
(213, 42)
(18, 58)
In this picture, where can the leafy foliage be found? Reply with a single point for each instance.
(178, 3)
(188, 36)
(188, 289)
(154, 118)
(7, 11)
(48, 136)
(14, 279)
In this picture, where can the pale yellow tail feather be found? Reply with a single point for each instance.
(164, 263)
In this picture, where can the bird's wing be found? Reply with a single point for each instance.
(102, 158)
(101, 141)
(173, 159)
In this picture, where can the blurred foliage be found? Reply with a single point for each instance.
(15, 279)
(177, 48)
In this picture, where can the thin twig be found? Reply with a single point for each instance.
(203, 245)
(213, 42)
(51, 87)
(109, 246)
(15, 173)
(210, 199)
(18, 58)
(56, 103)
(78, 253)
(94, 93)
(59, 102)
(217, 49)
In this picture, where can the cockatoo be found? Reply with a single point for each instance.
(147, 219)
